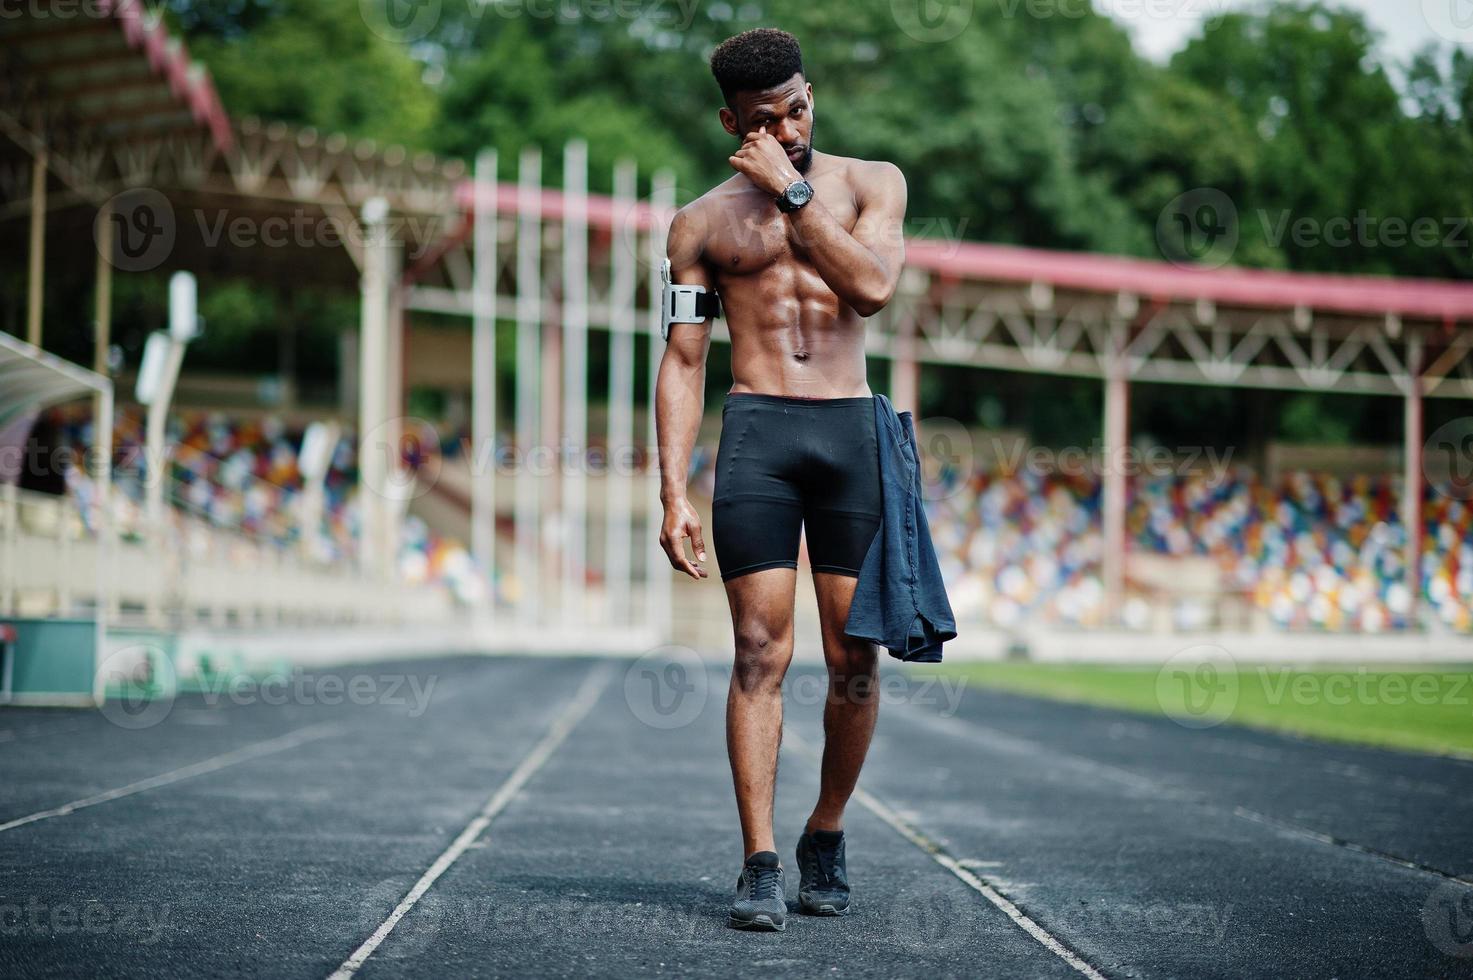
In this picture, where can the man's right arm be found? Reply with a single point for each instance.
(680, 399)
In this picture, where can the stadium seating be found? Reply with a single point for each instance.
(1309, 552)
(241, 474)
(1312, 551)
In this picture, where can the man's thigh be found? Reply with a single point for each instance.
(762, 610)
(835, 597)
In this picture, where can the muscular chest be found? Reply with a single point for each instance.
(752, 235)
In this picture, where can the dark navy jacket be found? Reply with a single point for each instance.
(900, 601)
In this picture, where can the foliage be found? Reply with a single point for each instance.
(1036, 124)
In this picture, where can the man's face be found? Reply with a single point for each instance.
(786, 111)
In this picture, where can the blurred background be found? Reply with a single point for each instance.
(360, 294)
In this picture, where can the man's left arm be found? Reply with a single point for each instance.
(861, 267)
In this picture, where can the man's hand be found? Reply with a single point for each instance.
(765, 163)
(681, 522)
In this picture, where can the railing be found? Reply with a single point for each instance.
(192, 574)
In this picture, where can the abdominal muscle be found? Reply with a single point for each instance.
(781, 344)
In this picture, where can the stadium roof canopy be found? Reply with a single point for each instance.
(116, 154)
(1229, 286)
(1069, 313)
(31, 379)
(102, 99)
(97, 84)
(1092, 272)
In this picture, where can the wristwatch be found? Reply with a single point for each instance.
(796, 197)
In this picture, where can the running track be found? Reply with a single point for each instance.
(573, 818)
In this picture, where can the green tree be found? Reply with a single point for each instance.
(1332, 139)
(311, 63)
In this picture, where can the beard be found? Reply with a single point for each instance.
(806, 163)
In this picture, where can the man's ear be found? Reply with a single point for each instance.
(809, 86)
(729, 121)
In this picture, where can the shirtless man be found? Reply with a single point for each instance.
(800, 246)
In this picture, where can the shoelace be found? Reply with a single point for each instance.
(765, 883)
(823, 862)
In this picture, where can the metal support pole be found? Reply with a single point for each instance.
(104, 582)
(1413, 478)
(36, 289)
(619, 515)
(9, 546)
(102, 402)
(575, 381)
(400, 486)
(905, 372)
(102, 307)
(157, 453)
(1117, 437)
(483, 373)
(529, 405)
(157, 431)
(658, 573)
(314, 460)
(373, 350)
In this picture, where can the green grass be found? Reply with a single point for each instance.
(1427, 709)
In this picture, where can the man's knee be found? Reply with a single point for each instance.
(852, 671)
(761, 654)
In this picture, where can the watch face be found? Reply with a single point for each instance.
(800, 193)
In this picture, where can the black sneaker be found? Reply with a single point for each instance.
(760, 901)
(823, 881)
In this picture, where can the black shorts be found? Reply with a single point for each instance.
(787, 465)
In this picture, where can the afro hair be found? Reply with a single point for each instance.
(756, 60)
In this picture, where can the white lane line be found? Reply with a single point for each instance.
(1349, 845)
(992, 738)
(582, 702)
(269, 747)
(938, 854)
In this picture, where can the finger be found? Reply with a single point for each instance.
(675, 551)
(684, 565)
(698, 541)
(691, 568)
(696, 571)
